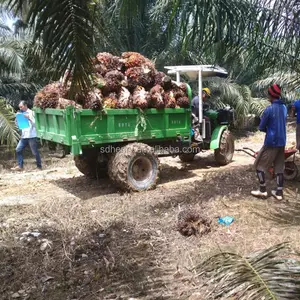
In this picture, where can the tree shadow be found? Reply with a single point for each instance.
(233, 183)
(286, 213)
(106, 263)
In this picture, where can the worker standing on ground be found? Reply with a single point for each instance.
(273, 123)
(296, 108)
(28, 137)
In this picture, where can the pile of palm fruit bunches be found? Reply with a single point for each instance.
(129, 81)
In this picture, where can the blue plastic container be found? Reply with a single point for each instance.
(22, 121)
(226, 220)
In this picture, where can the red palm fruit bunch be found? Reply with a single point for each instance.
(63, 103)
(135, 59)
(169, 99)
(181, 97)
(106, 62)
(124, 99)
(190, 222)
(114, 80)
(167, 83)
(158, 78)
(139, 76)
(141, 98)
(110, 101)
(48, 96)
(157, 100)
(93, 100)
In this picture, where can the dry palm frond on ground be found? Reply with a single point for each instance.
(267, 275)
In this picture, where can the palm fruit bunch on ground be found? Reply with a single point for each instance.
(190, 222)
(120, 82)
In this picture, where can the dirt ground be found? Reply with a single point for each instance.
(63, 236)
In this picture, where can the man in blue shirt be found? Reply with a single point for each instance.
(296, 108)
(273, 123)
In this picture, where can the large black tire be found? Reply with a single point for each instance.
(187, 157)
(224, 154)
(88, 164)
(134, 168)
(290, 170)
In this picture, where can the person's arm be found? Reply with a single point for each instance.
(296, 106)
(30, 117)
(264, 120)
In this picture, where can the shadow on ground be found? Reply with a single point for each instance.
(85, 188)
(104, 264)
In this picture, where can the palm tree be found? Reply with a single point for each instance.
(68, 28)
(9, 134)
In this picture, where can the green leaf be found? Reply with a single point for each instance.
(263, 275)
(8, 130)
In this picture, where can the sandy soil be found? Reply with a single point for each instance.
(94, 242)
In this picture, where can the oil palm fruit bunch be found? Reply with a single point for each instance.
(135, 59)
(93, 100)
(100, 69)
(106, 62)
(157, 100)
(190, 222)
(183, 102)
(114, 80)
(167, 83)
(183, 87)
(110, 101)
(169, 99)
(181, 98)
(158, 77)
(139, 76)
(48, 96)
(63, 103)
(140, 98)
(98, 80)
(124, 99)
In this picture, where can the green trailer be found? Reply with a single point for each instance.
(125, 144)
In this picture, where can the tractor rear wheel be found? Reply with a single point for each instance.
(88, 164)
(134, 168)
(224, 154)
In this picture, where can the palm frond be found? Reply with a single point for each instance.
(258, 105)
(66, 28)
(264, 275)
(11, 55)
(289, 81)
(8, 130)
(266, 27)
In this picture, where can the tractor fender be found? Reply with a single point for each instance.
(216, 136)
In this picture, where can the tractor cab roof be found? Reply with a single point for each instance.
(192, 71)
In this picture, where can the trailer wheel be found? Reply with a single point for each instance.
(224, 154)
(88, 164)
(134, 168)
(290, 170)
